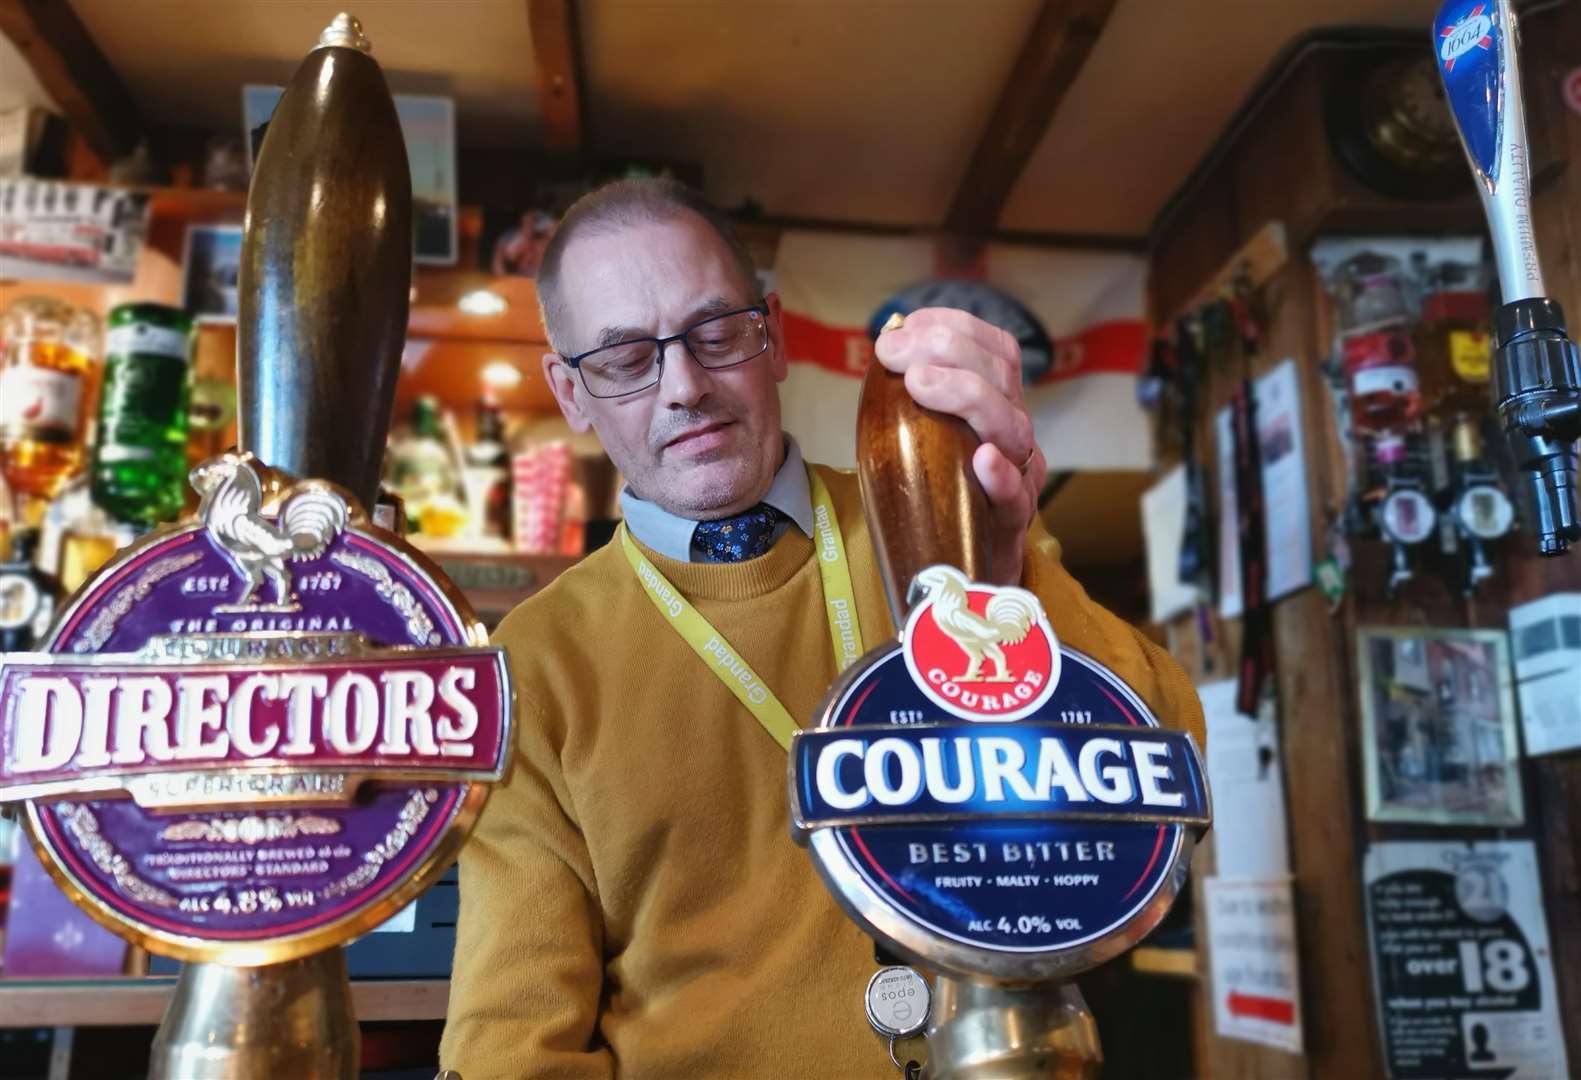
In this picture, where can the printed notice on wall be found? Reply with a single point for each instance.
(1252, 940)
(1460, 958)
(1287, 525)
(1163, 528)
(1546, 636)
(1248, 788)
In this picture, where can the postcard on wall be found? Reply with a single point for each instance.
(210, 270)
(1438, 726)
(1461, 962)
(1231, 600)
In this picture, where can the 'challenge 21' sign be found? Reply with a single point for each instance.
(987, 802)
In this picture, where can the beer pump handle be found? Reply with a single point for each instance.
(925, 506)
(922, 499)
(1537, 370)
(326, 271)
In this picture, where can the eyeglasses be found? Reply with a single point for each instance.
(719, 341)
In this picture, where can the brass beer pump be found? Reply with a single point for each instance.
(924, 506)
(324, 289)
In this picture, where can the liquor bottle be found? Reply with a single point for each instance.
(423, 473)
(1454, 346)
(47, 349)
(1480, 509)
(28, 596)
(7, 519)
(10, 834)
(1378, 354)
(77, 535)
(211, 410)
(140, 457)
(487, 475)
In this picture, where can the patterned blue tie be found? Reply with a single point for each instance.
(736, 539)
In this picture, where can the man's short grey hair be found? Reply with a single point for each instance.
(623, 204)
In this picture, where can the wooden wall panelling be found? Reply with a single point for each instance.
(1190, 246)
(1317, 753)
(1280, 168)
(1553, 783)
(1318, 747)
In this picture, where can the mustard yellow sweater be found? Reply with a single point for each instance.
(632, 903)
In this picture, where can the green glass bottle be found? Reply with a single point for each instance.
(140, 456)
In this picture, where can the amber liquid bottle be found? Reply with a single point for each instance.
(47, 351)
(1454, 344)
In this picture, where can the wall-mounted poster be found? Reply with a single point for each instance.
(1438, 726)
(1461, 963)
(1287, 525)
(53, 231)
(1547, 639)
(429, 126)
(210, 268)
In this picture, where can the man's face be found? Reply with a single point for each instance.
(701, 444)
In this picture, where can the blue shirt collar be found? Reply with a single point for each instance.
(671, 535)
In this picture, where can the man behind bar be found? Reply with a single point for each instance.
(632, 903)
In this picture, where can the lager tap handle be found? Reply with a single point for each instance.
(326, 271)
(922, 500)
(1537, 376)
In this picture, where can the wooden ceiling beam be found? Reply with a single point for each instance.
(1055, 51)
(557, 52)
(75, 73)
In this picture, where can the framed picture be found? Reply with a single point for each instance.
(513, 241)
(54, 231)
(1438, 726)
(210, 266)
(429, 126)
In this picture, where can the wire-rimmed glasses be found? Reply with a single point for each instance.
(719, 341)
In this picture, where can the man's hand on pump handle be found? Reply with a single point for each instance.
(956, 363)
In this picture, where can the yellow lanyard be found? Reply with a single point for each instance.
(845, 634)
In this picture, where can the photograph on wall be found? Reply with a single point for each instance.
(52, 231)
(210, 269)
(1462, 968)
(429, 127)
(1438, 726)
(514, 240)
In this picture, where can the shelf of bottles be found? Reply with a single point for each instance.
(1427, 468)
(101, 420)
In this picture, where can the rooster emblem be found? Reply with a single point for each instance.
(1009, 616)
(232, 498)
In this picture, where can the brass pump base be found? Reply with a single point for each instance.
(982, 1032)
(230, 1023)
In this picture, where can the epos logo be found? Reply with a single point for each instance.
(980, 652)
(1475, 31)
